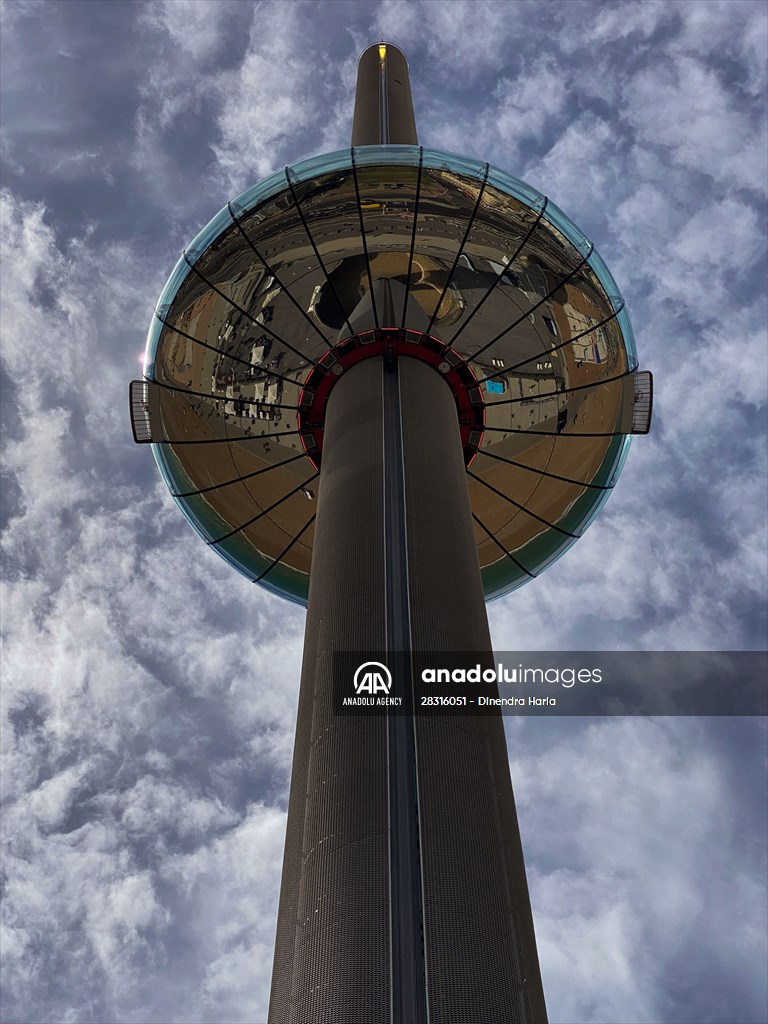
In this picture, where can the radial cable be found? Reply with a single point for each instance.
(238, 479)
(522, 508)
(460, 251)
(259, 324)
(565, 391)
(555, 348)
(285, 550)
(227, 355)
(543, 472)
(364, 242)
(548, 296)
(318, 257)
(226, 398)
(225, 440)
(498, 544)
(264, 512)
(413, 239)
(272, 273)
(503, 271)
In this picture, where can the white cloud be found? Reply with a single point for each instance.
(727, 233)
(260, 99)
(231, 897)
(193, 26)
(624, 19)
(589, 145)
(51, 801)
(275, 93)
(526, 103)
(631, 818)
(461, 39)
(685, 107)
(120, 685)
(737, 29)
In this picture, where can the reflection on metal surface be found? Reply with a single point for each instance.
(484, 269)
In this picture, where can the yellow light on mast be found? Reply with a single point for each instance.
(382, 52)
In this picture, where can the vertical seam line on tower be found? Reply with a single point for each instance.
(400, 623)
(422, 904)
(383, 102)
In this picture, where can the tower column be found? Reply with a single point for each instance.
(332, 945)
(404, 896)
(480, 947)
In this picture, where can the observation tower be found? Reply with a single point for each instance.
(390, 383)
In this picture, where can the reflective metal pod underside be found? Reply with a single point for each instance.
(500, 274)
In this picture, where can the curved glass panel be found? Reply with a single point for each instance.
(476, 260)
(575, 236)
(256, 194)
(150, 347)
(220, 223)
(629, 338)
(515, 187)
(377, 156)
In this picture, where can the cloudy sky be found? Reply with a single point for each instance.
(149, 691)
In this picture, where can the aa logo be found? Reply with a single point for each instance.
(372, 677)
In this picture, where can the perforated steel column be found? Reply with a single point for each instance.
(481, 960)
(332, 947)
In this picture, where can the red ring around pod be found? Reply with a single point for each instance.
(313, 400)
